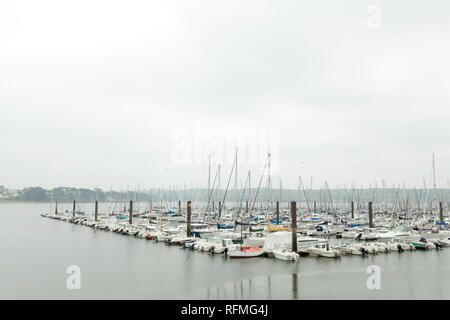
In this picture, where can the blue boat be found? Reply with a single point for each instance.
(223, 226)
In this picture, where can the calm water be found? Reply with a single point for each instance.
(35, 253)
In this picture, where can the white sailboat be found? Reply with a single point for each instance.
(285, 255)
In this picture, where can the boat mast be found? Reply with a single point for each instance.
(434, 180)
(257, 191)
(235, 173)
(160, 209)
(209, 174)
(222, 205)
(270, 186)
(208, 205)
(280, 197)
(304, 193)
(331, 200)
(242, 220)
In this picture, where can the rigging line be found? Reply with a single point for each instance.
(257, 191)
(242, 198)
(209, 197)
(226, 190)
(304, 192)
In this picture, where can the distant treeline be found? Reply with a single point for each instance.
(68, 194)
(376, 195)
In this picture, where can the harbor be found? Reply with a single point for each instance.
(262, 226)
(225, 150)
(115, 266)
(271, 234)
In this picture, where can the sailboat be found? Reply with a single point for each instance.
(246, 252)
(285, 254)
(250, 251)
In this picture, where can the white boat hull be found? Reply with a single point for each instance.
(285, 256)
(244, 254)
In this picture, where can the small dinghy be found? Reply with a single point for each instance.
(246, 252)
(445, 242)
(324, 250)
(189, 244)
(421, 244)
(285, 255)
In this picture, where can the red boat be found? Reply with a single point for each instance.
(246, 252)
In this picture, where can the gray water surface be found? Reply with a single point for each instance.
(35, 253)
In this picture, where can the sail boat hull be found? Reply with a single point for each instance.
(246, 252)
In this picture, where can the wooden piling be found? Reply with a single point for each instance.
(246, 207)
(294, 225)
(188, 220)
(131, 212)
(315, 206)
(370, 215)
(96, 210)
(278, 210)
(353, 209)
(179, 207)
(73, 209)
(220, 208)
(441, 212)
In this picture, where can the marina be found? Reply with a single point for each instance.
(115, 266)
(265, 227)
(225, 150)
(325, 227)
(258, 235)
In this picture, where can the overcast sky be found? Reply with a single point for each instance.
(108, 93)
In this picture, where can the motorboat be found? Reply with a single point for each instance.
(285, 255)
(444, 242)
(246, 252)
(421, 244)
(323, 250)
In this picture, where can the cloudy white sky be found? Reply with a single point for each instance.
(97, 93)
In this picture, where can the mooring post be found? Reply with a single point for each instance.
(246, 206)
(441, 212)
(370, 215)
(294, 225)
(96, 210)
(73, 209)
(278, 210)
(131, 212)
(179, 207)
(56, 208)
(213, 206)
(188, 220)
(220, 208)
(353, 209)
(315, 206)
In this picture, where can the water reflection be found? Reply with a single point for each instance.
(141, 268)
(260, 288)
(294, 286)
